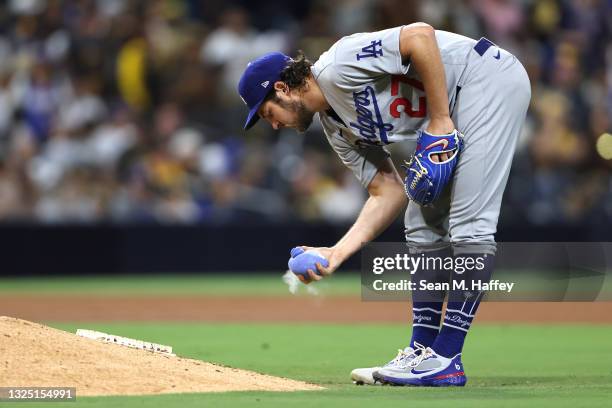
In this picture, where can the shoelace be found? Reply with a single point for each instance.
(425, 353)
(401, 360)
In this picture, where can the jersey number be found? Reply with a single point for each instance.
(421, 112)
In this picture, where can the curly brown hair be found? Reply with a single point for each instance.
(294, 74)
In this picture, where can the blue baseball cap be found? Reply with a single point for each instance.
(258, 80)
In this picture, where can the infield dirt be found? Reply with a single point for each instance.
(37, 355)
(335, 309)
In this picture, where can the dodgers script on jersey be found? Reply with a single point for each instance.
(376, 98)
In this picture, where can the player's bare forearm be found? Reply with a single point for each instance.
(387, 199)
(418, 45)
(377, 213)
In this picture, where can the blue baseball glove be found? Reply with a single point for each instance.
(425, 179)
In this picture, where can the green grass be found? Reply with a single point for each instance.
(507, 366)
(344, 283)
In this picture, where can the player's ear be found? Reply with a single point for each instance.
(281, 87)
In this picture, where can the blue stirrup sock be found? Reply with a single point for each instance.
(426, 318)
(427, 305)
(460, 312)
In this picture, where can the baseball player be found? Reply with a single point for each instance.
(409, 83)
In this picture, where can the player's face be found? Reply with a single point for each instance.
(286, 111)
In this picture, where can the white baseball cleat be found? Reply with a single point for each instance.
(365, 376)
(428, 369)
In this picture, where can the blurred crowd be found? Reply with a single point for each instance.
(127, 111)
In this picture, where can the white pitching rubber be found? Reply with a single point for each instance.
(124, 341)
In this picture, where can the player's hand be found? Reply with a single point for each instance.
(440, 126)
(332, 258)
(440, 157)
(425, 177)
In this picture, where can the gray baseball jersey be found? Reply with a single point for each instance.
(376, 100)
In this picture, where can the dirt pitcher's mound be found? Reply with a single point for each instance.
(35, 355)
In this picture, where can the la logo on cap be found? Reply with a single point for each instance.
(265, 84)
